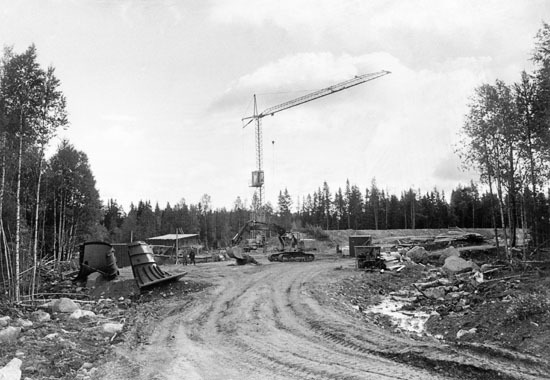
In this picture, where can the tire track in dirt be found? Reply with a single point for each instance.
(262, 322)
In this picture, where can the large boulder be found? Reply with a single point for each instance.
(418, 255)
(64, 305)
(448, 252)
(455, 264)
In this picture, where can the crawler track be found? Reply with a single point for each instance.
(291, 256)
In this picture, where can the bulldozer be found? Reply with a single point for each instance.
(290, 248)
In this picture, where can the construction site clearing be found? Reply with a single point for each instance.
(449, 286)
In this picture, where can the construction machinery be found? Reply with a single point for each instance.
(369, 257)
(289, 247)
(258, 174)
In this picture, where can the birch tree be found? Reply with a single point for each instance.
(21, 92)
(52, 115)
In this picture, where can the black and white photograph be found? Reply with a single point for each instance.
(293, 189)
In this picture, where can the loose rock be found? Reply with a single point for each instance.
(12, 370)
(40, 316)
(4, 321)
(112, 328)
(64, 305)
(9, 334)
(77, 314)
(454, 265)
(461, 332)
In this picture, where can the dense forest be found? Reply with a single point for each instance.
(50, 205)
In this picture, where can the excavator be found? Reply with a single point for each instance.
(294, 253)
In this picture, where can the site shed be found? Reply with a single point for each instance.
(358, 240)
(183, 240)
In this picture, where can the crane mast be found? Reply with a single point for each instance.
(258, 174)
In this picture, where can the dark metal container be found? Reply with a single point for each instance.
(97, 256)
(357, 240)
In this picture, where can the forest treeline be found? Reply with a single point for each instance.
(50, 205)
(351, 208)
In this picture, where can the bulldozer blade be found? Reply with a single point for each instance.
(146, 271)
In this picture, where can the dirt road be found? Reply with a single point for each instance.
(265, 322)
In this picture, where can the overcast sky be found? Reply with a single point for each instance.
(157, 89)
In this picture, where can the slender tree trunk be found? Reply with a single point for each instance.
(512, 203)
(413, 211)
(3, 248)
(491, 193)
(54, 230)
(501, 208)
(18, 212)
(523, 229)
(9, 268)
(375, 214)
(62, 231)
(36, 213)
(474, 213)
(386, 209)
(2, 173)
(493, 211)
(533, 206)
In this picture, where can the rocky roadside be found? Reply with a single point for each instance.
(68, 337)
(501, 310)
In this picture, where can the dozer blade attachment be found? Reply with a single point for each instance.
(146, 271)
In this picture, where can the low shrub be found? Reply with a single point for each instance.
(526, 306)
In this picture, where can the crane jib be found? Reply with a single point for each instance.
(318, 94)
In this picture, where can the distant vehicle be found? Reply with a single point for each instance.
(289, 249)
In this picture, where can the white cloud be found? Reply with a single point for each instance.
(147, 102)
(399, 128)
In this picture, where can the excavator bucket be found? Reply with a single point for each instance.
(146, 271)
(235, 253)
(241, 258)
(99, 257)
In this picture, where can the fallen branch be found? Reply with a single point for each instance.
(504, 278)
(432, 284)
(421, 292)
(59, 294)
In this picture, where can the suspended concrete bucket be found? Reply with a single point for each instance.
(97, 256)
(146, 271)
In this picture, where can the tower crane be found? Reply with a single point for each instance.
(258, 175)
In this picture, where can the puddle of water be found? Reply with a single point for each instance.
(405, 320)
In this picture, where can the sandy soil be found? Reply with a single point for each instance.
(280, 321)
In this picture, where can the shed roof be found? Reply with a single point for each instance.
(173, 237)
